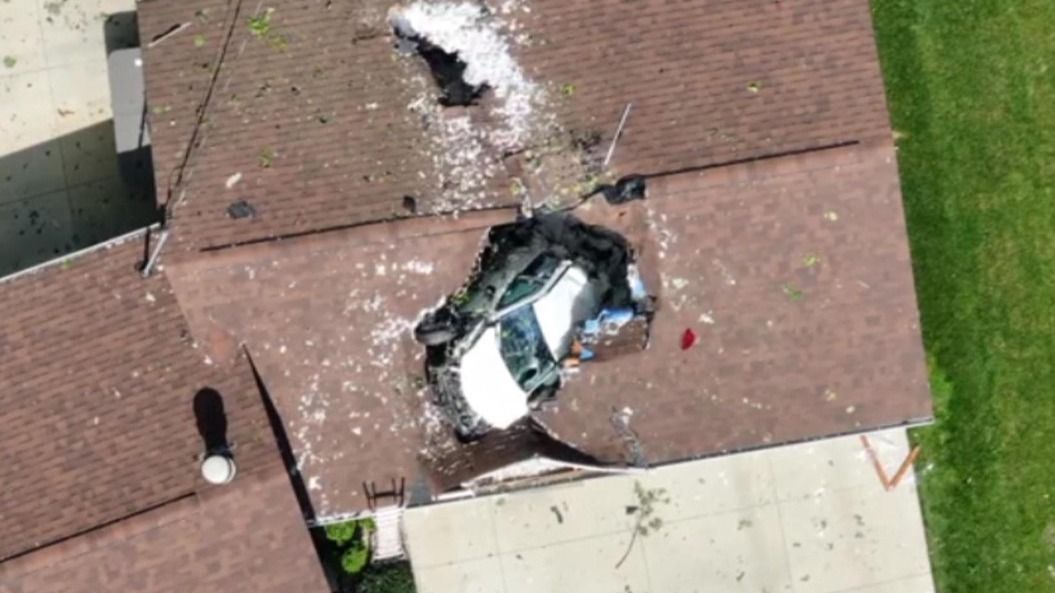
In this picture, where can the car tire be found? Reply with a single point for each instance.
(434, 335)
(437, 328)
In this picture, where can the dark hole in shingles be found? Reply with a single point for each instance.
(626, 189)
(410, 204)
(211, 419)
(448, 70)
(241, 209)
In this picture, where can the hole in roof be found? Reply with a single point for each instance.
(241, 209)
(547, 294)
(447, 68)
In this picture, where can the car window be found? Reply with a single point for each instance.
(530, 281)
(524, 350)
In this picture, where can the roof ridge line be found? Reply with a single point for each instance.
(754, 159)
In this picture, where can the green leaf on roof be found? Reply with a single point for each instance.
(260, 25)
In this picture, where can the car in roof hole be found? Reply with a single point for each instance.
(547, 293)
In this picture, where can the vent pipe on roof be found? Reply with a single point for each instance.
(218, 469)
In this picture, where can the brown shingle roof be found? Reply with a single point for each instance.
(710, 83)
(97, 377)
(102, 491)
(326, 319)
(304, 110)
(794, 274)
(309, 123)
(244, 538)
(793, 271)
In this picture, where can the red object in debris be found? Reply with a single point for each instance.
(688, 339)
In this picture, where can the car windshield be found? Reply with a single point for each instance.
(530, 281)
(524, 349)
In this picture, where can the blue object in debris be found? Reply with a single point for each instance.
(608, 322)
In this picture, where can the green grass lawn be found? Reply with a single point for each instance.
(971, 85)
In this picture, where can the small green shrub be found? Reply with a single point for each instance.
(355, 557)
(351, 541)
(341, 533)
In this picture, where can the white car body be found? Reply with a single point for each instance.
(486, 382)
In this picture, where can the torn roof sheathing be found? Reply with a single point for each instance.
(711, 82)
(795, 277)
(793, 272)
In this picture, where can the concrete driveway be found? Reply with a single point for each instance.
(811, 518)
(59, 184)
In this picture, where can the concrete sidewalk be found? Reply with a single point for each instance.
(809, 518)
(59, 183)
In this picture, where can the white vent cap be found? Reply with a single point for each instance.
(218, 469)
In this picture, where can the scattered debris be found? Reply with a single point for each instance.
(644, 509)
(233, 179)
(611, 334)
(468, 53)
(260, 25)
(267, 156)
(10, 61)
(567, 89)
(167, 33)
(793, 294)
(754, 87)
(831, 215)
(54, 8)
(811, 260)
(199, 40)
(618, 134)
(556, 511)
(688, 339)
(620, 421)
(241, 209)
(499, 120)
